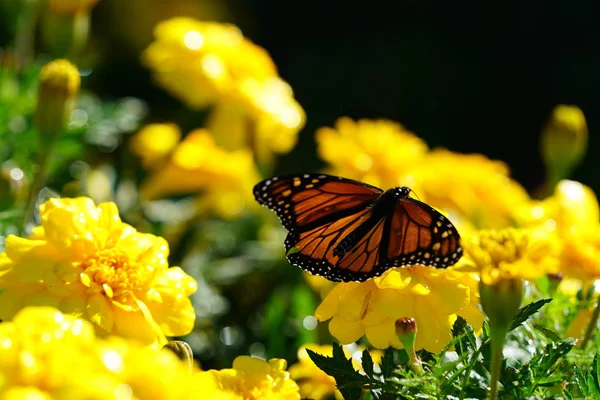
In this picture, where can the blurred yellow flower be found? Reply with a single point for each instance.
(154, 142)
(212, 64)
(379, 152)
(384, 154)
(470, 185)
(253, 379)
(202, 63)
(572, 216)
(84, 260)
(225, 179)
(510, 254)
(433, 297)
(45, 354)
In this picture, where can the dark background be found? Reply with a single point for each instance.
(465, 76)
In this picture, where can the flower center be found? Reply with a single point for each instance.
(506, 245)
(114, 273)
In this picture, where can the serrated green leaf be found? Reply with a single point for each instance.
(367, 363)
(527, 311)
(348, 380)
(465, 337)
(387, 363)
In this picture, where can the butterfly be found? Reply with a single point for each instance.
(344, 230)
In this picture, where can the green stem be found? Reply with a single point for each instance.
(37, 185)
(592, 325)
(415, 362)
(498, 335)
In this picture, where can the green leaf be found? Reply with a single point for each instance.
(387, 363)
(596, 371)
(466, 341)
(367, 363)
(547, 332)
(348, 380)
(527, 311)
(581, 381)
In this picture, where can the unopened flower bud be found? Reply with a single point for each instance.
(57, 92)
(182, 350)
(66, 26)
(406, 330)
(564, 141)
(501, 301)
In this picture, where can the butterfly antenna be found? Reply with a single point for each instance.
(412, 191)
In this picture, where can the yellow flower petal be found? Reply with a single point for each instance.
(100, 312)
(346, 332)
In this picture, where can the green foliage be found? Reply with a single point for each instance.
(461, 371)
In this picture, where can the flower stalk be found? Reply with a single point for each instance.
(591, 326)
(500, 301)
(57, 92)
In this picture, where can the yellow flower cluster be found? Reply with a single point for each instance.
(431, 296)
(85, 261)
(225, 178)
(382, 153)
(378, 152)
(212, 64)
(45, 355)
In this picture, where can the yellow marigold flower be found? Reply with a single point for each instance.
(572, 215)
(203, 62)
(433, 297)
(379, 152)
(253, 379)
(198, 165)
(268, 115)
(49, 355)
(84, 260)
(511, 254)
(571, 204)
(470, 185)
(154, 142)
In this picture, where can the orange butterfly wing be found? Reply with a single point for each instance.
(334, 233)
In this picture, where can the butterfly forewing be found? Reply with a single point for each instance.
(303, 201)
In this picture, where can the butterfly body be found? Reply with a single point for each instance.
(346, 230)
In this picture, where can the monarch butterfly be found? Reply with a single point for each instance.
(344, 230)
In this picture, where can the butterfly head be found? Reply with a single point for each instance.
(401, 192)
